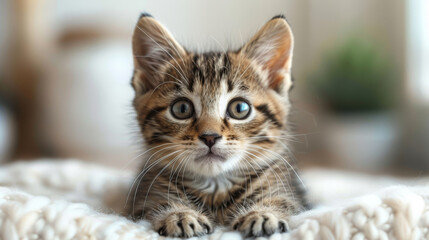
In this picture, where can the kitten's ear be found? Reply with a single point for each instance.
(271, 47)
(153, 47)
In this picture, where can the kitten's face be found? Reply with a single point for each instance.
(212, 113)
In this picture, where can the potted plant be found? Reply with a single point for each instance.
(357, 85)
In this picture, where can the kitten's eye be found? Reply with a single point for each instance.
(239, 109)
(182, 109)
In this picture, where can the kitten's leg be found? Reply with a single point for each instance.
(263, 218)
(178, 220)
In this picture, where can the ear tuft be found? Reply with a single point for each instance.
(272, 48)
(145, 14)
(279, 16)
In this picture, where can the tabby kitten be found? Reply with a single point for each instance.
(215, 125)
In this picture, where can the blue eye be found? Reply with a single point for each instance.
(239, 109)
(182, 109)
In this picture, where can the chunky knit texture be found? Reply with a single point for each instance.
(77, 200)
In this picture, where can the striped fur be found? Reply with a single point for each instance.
(252, 186)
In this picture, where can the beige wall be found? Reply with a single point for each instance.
(207, 24)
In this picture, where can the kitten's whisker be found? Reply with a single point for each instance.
(137, 56)
(169, 182)
(186, 161)
(272, 169)
(159, 85)
(248, 185)
(223, 49)
(260, 167)
(247, 68)
(183, 165)
(277, 176)
(144, 172)
(160, 172)
(269, 184)
(277, 137)
(293, 169)
(175, 168)
(168, 74)
(141, 154)
(148, 160)
(298, 134)
(254, 170)
(313, 117)
(175, 49)
(173, 171)
(184, 168)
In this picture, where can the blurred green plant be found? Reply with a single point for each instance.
(356, 77)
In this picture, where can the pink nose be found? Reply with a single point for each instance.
(210, 139)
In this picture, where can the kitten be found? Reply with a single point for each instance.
(215, 124)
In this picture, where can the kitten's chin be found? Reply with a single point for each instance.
(212, 165)
(210, 157)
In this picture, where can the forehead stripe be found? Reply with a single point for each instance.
(225, 70)
(230, 85)
(226, 65)
(196, 72)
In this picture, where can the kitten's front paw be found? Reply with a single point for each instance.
(184, 224)
(259, 223)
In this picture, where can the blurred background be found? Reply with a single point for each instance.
(361, 71)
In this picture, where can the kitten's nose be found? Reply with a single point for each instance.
(209, 139)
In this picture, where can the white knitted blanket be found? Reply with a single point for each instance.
(77, 200)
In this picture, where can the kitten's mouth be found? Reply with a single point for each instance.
(211, 157)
